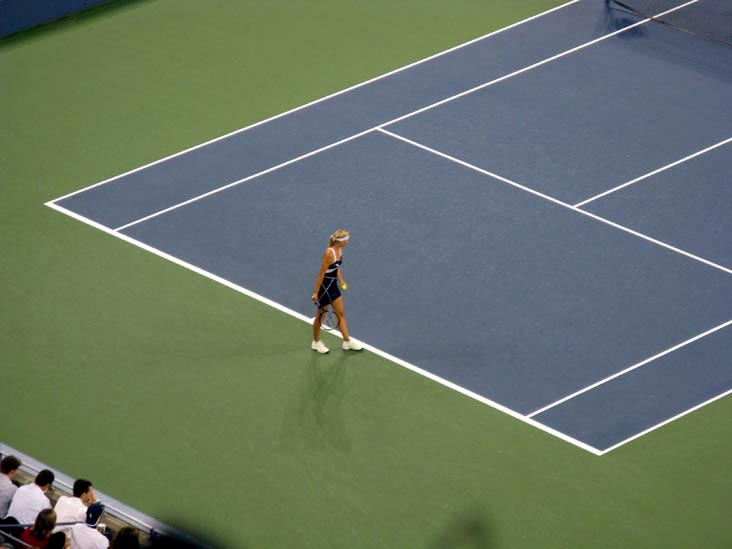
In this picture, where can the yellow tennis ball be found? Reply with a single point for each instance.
(344, 286)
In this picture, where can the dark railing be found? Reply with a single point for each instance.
(5, 536)
(28, 525)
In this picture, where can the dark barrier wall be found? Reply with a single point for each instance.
(16, 15)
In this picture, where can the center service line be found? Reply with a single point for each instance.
(555, 201)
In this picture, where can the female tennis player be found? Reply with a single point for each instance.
(328, 286)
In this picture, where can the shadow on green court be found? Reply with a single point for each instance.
(468, 530)
(314, 415)
(188, 539)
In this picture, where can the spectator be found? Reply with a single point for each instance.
(38, 534)
(73, 508)
(127, 538)
(31, 499)
(58, 540)
(86, 535)
(8, 467)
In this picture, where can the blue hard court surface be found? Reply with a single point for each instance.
(518, 298)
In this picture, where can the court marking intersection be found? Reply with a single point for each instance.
(523, 417)
(380, 128)
(442, 102)
(576, 209)
(654, 172)
(314, 102)
(381, 125)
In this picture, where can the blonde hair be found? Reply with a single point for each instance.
(340, 234)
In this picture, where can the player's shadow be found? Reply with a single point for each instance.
(468, 530)
(314, 416)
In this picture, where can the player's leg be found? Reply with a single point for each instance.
(348, 344)
(318, 345)
(338, 308)
(316, 325)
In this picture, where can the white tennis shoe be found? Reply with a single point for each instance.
(319, 346)
(351, 346)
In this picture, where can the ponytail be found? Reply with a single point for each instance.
(339, 236)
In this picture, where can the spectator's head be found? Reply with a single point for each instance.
(9, 466)
(44, 525)
(45, 479)
(127, 538)
(84, 491)
(59, 540)
(94, 514)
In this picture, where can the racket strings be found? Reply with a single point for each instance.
(328, 318)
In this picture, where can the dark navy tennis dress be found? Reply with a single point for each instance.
(329, 290)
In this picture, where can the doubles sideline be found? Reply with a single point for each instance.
(308, 320)
(395, 120)
(315, 102)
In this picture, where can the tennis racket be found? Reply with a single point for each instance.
(328, 318)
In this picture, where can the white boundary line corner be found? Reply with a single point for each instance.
(243, 180)
(665, 422)
(630, 369)
(508, 181)
(316, 101)
(115, 232)
(308, 320)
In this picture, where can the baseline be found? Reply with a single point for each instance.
(649, 397)
(552, 311)
(304, 318)
(629, 369)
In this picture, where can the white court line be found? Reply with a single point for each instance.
(669, 420)
(659, 170)
(310, 104)
(308, 320)
(234, 183)
(629, 369)
(605, 221)
(229, 284)
(395, 120)
(555, 201)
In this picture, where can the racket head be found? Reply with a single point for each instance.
(328, 319)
